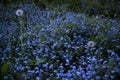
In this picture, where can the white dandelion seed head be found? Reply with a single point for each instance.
(91, 44)
(97, 17)
(19, 12)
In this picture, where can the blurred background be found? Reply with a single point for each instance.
(108, 8)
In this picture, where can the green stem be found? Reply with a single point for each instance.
(21, 34)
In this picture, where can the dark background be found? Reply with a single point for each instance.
(108, 8)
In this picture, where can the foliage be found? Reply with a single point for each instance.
(109, 8)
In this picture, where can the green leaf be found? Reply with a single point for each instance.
(111, 64)
(57, 29)
(39, 61)
(38, 27)
(69, 25)
(43, 39)
(5, 68)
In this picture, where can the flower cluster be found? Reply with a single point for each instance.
(54, 45)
